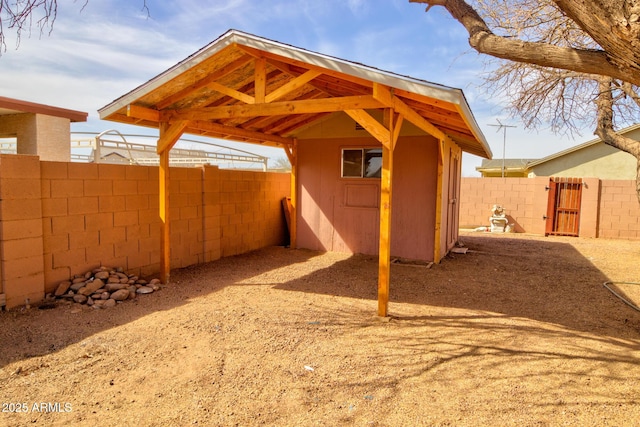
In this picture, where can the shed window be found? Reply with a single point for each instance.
(361, 162)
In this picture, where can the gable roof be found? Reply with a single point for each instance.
(578, 147)
(16, 106)
(247, 88)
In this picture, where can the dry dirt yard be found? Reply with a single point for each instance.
(518, 331)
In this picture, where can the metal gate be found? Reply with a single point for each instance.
(563, 207)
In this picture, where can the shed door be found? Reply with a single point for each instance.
(563, 207)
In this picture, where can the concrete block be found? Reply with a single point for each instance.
(31, 247)
(13, 209)
(67, 224)
(122, 219)
(99, 221)
(21, 228)
(136, 173)
(136, 202)
(83, 239)
(95, 187)
(103, 254)
(69, 258)
(23, 267)
(82, 205)
(82, 171)
(113, 172)
(54, 207)
(19, 166)
(17, 290)
(111, 203)
(54, 170)
(121, 187)
(114, 234)
(67, 188)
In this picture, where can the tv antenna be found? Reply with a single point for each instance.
(502, 127)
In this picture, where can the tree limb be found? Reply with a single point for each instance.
(482, 39)
(605, 130)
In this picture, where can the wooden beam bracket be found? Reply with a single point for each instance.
(170, 134)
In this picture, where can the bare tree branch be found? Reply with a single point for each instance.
(605, 130)
(564, 61)
(481, 38)
(18, 15)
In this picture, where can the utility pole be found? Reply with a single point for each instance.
(503, 127)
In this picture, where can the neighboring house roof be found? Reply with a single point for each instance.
(579, 147)
(16, 106)
(213, 91)
(495, 165)
(526, 166)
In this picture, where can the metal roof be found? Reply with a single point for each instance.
(214, 90)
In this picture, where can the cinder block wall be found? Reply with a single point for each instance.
(619, 210)
(21, 244)
(610, 208)
(58, 219)
(518, 197)
(251, 210)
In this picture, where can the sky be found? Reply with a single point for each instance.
(104, 49)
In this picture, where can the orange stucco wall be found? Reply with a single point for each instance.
(58, 219)
(342, 214)
(609, 208)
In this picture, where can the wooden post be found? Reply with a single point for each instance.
(169, 134)
(292, 154)
(386, 186)
(165, 232)
(384, 262)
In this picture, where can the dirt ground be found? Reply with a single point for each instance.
(518, 331)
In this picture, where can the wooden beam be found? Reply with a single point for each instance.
(292, 154)
(384, 253)
(170, 134)
(247, 99)
(384, 94)
(283, 108)
(260, 79)
(294, 84)
(218, 74)
(143, 113)
(235, 132)
(247, 85)
(272, 57)
(397, 126)
(371, 125)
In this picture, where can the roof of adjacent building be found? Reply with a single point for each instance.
(16, 106)
(525, 164)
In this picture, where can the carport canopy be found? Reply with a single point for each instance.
(246, 88)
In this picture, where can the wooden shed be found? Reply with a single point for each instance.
(353, 134)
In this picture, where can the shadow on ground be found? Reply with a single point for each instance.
(541, 279)
(45, 331)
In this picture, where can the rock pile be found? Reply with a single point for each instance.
(104, 287)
